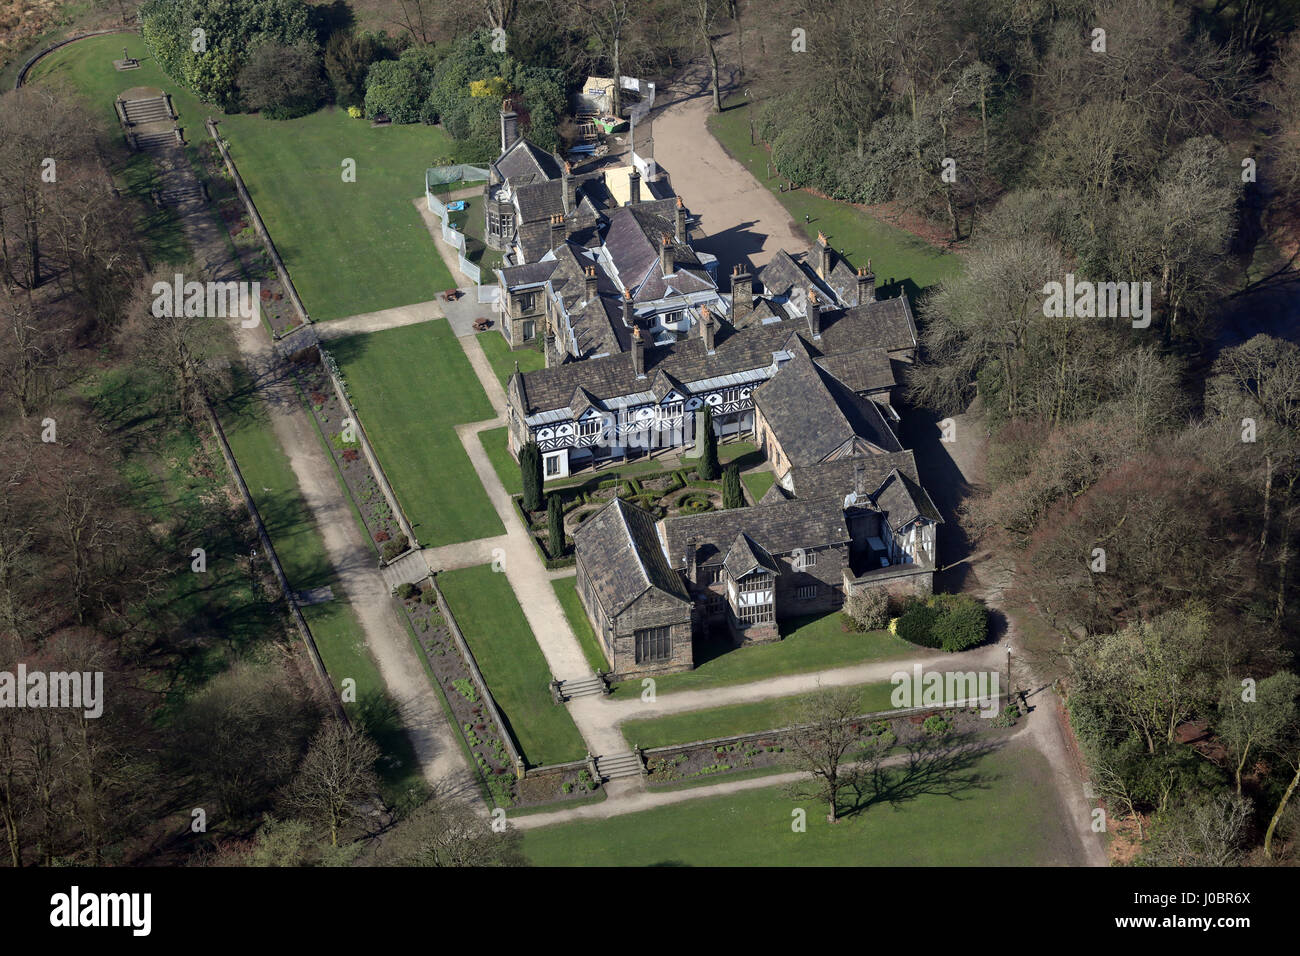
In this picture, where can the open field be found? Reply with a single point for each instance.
(998, 809)
(350, 247)
(512, 664)
(411, 387)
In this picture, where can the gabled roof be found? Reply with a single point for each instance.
(745, 557)
(813, 414)
(540, 200)
(775, 493)
(778, 527)
(633, 242)
(622, 557)
(902, 501)
(736, 352)
(523, 163)
(866, 370)
(847, 476)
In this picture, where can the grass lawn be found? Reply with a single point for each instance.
(998, 809)
(470, 221)
(758, 483)
(503, 463)
(350, 246)
(901, 261)
(512, 664)
(566, 589)
(502, 360)
(298, 543)
(807, 644)
(411, 386)
(735, 719)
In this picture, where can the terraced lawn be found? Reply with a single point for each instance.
(735, 719)
(512, 664)
(350, 246)
(998, 809)
(902, 262)
(503, 360)
(566, 589)
(807, 644)
(411, 387)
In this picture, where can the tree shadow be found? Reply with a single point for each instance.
(943, 767)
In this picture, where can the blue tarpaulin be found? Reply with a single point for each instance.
(457, 206)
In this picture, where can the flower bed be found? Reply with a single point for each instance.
(323, 403)
(472, 718)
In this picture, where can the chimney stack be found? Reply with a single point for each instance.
(666, 263)
(742, 292)
(814, 315)
(558, 231)
(679, 221)
(866, 285)
(509, 126)
(569, 188)
(638, 352)
(592, 288)
(629, 318)
(633, 187)
(823, 256)
(692, 547)
(707, 328)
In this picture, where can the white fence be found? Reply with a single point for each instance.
(440, 176)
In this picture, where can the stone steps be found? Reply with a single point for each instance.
(160, 140)
(618, 765)
(582, 687)
(153, 110)
(408, 569)
(181, 194)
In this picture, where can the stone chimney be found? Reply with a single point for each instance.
(824, 262)
(742, 291)
(558, 230)
(638, 352)
(592, 288)
(509, 126)
(570, 188)
(866, 285)
(814, 314)
(666, 263)
(707, 328)
(633, 187)
(692, 548)
(679, 221)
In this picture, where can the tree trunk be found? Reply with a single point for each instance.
(1277, 814)
(1268, 500)
(713, 70)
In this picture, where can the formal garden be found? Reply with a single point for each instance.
(482, 737)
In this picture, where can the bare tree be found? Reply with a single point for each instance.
(446, 832)
(822, 745)
(336, 777)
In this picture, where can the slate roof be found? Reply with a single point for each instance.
(775, 493)
(849, 475)
(540, 200)
(866, 370)
(523, 163)
(903, 501)
(633, 241)
(735, 351)
(778, 527)
(813, 414)
(622, 557)
(745, 556)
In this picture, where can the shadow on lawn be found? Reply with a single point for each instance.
(935, 768)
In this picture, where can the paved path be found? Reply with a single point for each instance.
(739, 219)
(378, 321)
(633, 708)
(360, 583)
